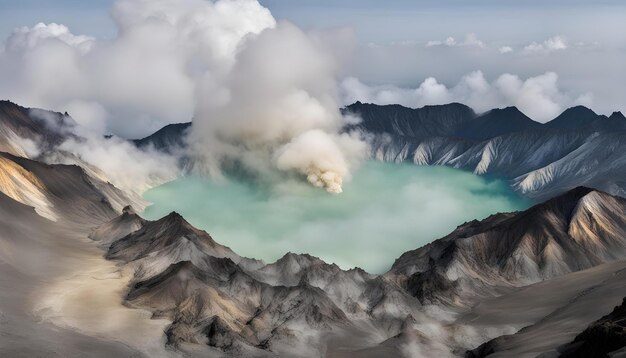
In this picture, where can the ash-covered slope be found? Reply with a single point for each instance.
(603, 338)
(575, 231)
(538, 320)
(35, 252)
(60, 191)
(41, 252)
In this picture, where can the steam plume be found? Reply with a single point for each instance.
(254, 87)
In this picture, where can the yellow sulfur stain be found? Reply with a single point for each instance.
(21, 185)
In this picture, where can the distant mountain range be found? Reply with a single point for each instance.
(579, 147)
(460, 121)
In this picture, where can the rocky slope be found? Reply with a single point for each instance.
(56, 138)
(60, 191)
(223, 301)
(46, 212)
(575, 231)
(540, 319)
(602, 338)
(24, 131)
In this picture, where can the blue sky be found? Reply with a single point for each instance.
(90, 16)
(373, 20)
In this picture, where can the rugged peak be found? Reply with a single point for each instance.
(118, 227)
(174, 216)
(571, 197)
(292, 261)
(509, 109)
(298, 257)
(573, 117)
(175, 222)
(578, 110)
(561, 206)
(510, 113)
(170, 235)
(495, 123)
(617, 115)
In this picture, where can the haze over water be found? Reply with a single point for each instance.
(385, 210)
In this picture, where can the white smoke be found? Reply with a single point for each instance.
(254, 88)
(278, 108)
(324, 159)
(120, 162)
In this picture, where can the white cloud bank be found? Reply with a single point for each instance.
(538, 97)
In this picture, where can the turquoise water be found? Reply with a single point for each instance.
(385, 210)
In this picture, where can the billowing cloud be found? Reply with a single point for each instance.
(539, 97)
(142, 79)
(505, 49)
(450, 41)
(471, 40)
(554, 43)
(31, 37)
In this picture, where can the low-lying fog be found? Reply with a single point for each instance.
(385, 210)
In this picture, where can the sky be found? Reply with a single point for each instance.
(377, 21)
(560, 53)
